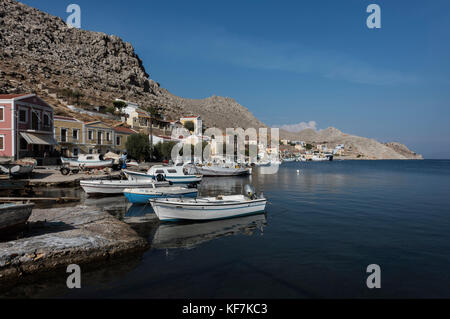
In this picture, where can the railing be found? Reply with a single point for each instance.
(67, 139)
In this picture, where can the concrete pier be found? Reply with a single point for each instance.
(62, 236)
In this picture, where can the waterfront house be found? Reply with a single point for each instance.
(26, 127)
(99, 138)
(121, 135)
(198, 123)
(69, 133)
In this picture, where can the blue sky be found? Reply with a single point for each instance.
(298, 61)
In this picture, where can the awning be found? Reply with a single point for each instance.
(39, 139)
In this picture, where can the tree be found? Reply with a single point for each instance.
(138, 146)
(120, 105)
(189, 125)
(77, 95)
(163, 150)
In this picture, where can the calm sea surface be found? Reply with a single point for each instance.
(321, 230)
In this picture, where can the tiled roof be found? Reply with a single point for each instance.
(59, 117)
(122, 129)
(11, 96)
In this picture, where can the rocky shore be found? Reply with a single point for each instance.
(62, 236)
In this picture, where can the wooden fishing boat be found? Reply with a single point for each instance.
(177, 174)
(88, 161)
(143, 195)
(207, 208)
(117, 187)
(223, 170)
(13, 216)
(19, 168)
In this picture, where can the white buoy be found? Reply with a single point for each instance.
(298, 171)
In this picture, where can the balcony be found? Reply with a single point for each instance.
(61, 139)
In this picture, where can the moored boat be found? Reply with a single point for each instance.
(13, 216)
(88, 161)
(177, 174)
(143, 195)
(209, 208)
(92, 187)
(19, 168)
(221, 170)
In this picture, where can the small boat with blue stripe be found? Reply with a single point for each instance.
(143, 195)
(208, 208)
(178, 174)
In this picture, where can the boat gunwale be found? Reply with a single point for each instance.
(197, 204)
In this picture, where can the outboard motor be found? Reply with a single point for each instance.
(249, 191)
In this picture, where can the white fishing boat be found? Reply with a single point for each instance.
(179, 174)
(19, 168)
(13, 216)
(143, 195)
(92, 187)
(223, 170)
(88, 161)
(209, 208)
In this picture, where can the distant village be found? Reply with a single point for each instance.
(29, 128)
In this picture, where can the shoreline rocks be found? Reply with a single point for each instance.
(63, 236)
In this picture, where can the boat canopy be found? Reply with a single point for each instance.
(38, 138)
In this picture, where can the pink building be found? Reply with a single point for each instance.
(26, 126)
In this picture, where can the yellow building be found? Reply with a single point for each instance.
(198, 123)
(69, 134)
(99, 138)
(121, 135)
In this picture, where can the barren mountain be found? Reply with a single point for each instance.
(39, 53)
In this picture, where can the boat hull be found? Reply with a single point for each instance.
(14, 216)
(115, 187)
(176, 211)
(141, 198)
(88, 164)
(223, 171)
(178, 180)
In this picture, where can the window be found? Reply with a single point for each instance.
(90, 158)
(2, 113)
(63, 135)
(108, 136)
(75, 152)
(2, 142)
(118, 140)
(160, 171)
(46, 120)
(75, 134)
(172, 171)
(23, 116)
(91, 151)
(90, 135)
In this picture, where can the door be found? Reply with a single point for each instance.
(99, 138)
(34, 121)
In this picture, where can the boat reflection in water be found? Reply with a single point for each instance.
(189, 235)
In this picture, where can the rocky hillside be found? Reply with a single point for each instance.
(40, 54)
(357, 147)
